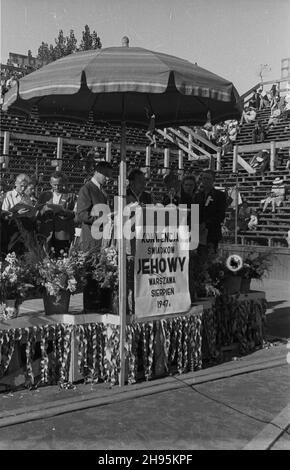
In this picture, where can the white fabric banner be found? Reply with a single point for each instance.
(161, 273)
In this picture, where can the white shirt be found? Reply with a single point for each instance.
(93, 180)
(12, 198)
(56, 198)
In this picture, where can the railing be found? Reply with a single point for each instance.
(185, 143)
(108, 146)
(237, 159)
(245, 98)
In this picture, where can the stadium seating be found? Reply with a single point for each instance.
(29, 155)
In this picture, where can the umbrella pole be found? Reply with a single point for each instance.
(122, 255)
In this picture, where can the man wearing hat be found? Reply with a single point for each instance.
(276, 196)
(91, 194)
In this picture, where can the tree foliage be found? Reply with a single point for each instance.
(65, 45)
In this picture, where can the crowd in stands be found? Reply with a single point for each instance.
(224, 135)
(10, 76)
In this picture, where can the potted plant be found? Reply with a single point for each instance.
(13, 285)
(104, 269)
(57, 276)
(200, 282)
(225, 273)
(255, 266)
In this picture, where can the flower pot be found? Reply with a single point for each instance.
(12, 308)
(232, 285)
(245, 286)
(54, 306)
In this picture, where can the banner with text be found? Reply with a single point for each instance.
(161, 273)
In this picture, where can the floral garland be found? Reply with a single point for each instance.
(181, 343)
(209, 335)
(7, 344)
(52, 369)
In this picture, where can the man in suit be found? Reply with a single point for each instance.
(90, 195)
(136, 191)
(212, 209)
(56, 219)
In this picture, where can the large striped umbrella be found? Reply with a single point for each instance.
(122, 84)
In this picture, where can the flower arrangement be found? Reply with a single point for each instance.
(63, 273)
(53, 273)
(200, 281)
(13, 278)
(13, 285)
(256, 265)
(105, 269)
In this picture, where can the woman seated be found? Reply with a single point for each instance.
(249, 115)
(276, 196)
(253, 222)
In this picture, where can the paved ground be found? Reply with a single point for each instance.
(230, 411)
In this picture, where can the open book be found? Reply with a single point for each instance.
(23, 210)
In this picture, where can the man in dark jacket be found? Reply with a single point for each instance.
(56, 219)
(91, 194)
(212, 208)
(136, 191)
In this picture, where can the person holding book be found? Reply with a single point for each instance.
(56, 214)
(17, 212)
(18, 194)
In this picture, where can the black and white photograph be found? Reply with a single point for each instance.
(144, 228)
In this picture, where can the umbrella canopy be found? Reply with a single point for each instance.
(126, 83)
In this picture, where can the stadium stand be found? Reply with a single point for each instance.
(33, 143)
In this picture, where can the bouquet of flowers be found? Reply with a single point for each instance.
(200, 282)
(222, 267)
(63, 273)
(105, 269)
(256, 265)
(13, 278)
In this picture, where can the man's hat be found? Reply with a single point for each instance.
(103, 167)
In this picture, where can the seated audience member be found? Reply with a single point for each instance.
(233, 132)
(264, 100)
(255, 100)
(212, 208)
(253, 222)
(259, 133)
(273, 119)
(261, 161)
(136, 190)
(56, 219)
(244, 215)
(173, 189)
(276, 196)
(249, 115)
